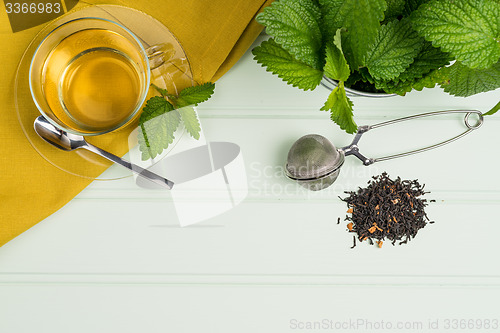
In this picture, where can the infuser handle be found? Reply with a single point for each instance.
(353, 148)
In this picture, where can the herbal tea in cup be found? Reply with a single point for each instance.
(89, 76)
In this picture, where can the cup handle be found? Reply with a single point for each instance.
(158, 54)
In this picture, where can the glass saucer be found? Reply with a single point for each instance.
(173, 72)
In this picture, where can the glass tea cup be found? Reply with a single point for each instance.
(89, 76)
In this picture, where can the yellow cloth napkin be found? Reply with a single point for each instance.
(214, 35)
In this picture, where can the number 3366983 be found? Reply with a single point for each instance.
(32, 8)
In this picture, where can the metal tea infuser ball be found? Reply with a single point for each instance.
(314, 162)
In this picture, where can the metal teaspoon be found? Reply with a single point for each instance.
(68, 141)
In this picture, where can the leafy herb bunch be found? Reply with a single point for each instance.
(391, 46)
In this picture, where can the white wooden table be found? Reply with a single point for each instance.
(115, 259)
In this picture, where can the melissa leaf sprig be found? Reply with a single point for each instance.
(162, 115)
(392, 46)
(336, 68)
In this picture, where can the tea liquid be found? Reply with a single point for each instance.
(91, 83)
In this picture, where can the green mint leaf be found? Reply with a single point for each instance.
(155, 106)
(340, 108)
(161, 91)
(190, 121)
(332, 17)
(159, 119)
(493, 110)
(164, 92)
(353, 78)
(336, 66)
(362, 20)
(195, 95)
(412, 5)
(365, 75)
(279, 62)
(429, 59)
(437, 76)
(394, 49)
(362, 80)
(425, 72)
(465, 81)
(468, 29)
(295, 25)
(394, 9)
(157, 125)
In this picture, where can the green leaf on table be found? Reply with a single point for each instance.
(468, 29)
(465, 81)
(295, 25)
(279, 62)
(190, 121)
(362, 20)
(340, 108)
(196, 94)
(157, 125)
(393, 50)
(336, 66)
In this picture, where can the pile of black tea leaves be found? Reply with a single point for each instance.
(387, 209)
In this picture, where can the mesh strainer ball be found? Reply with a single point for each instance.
(314, 162)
